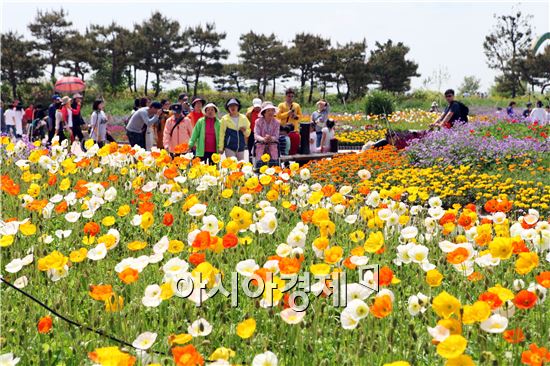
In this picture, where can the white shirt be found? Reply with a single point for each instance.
(539, 115)
(13, 117)
(329, 136)
(312, 142)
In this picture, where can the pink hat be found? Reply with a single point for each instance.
(266, 106)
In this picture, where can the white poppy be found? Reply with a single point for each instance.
(495, 324)
(291, 316)
(267, 225)
(72, 217)
(305, 174)
(175, 266)
(247, 267)
(21, 282)
(62, 234)
(7, 359)
(197, 210)
(265, 359)
(283, 250)
(110, 194)
(439, 333)
(351, 219)
(145, 340)
(14, 266)
(435, 202)
(149, 186)
(200, 328)
(348, 320)
(152, 296)
(246, 199)
(162, 245)
(409, 232)
(98, 252)
(418, 253)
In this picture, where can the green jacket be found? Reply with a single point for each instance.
(198, 135)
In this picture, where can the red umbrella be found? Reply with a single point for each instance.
(69, 85)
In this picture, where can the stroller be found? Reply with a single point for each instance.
(37, 129)
(265, 147)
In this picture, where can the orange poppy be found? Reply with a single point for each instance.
(535, 356)
(544, 279)
(382, 306)
(170, 173)
(129, 275)
(289, 265)
(514, 335)
(385, 276)
(101, 292)
(457, 256)
(91, 228)
(491, 298)
(45, 324)
(187, 356)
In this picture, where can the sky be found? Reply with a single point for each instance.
(442, 35)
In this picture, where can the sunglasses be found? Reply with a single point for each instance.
(448, 96)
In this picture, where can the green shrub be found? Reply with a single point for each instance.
(379, 102)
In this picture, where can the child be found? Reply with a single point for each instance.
(284, 140)
(312, 138)
(328, 134)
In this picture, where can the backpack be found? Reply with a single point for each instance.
(463, 111)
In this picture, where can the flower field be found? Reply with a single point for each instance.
(401, 258)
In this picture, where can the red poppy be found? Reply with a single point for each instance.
(45, 324)
(525, 299)
(197, 258)
(168, 219)
(230, 240)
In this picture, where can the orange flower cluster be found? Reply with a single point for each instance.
(342, 169)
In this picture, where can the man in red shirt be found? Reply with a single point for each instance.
(28, 116)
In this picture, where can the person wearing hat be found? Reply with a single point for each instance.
(252, 114)
(234, 131)
(52, 108)
(197, 113)
(206, 133)
(140, 120)
(78, 121)
(177, 131)
(319, 119)
(266, 133)
(290, 112)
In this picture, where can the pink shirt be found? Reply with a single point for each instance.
(209, 135)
